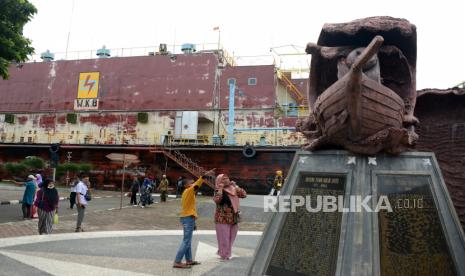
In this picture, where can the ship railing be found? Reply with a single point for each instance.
(293, 110)
(261, 138)
(138, 51)
(189, 139)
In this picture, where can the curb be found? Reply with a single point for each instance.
(14, 202)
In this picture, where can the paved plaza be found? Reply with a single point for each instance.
(121, 253)
(127, 241)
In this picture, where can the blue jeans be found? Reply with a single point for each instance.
(185, 249)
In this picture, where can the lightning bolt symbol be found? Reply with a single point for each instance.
(89, 84)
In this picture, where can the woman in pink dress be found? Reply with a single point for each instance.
(227, 215)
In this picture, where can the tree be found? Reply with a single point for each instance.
(34, 162)
(14, 47)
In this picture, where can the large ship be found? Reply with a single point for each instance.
(171, 110)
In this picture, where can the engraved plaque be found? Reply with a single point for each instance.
(412, 241)
(308, 241)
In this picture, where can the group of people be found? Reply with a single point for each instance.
(227, 217)
(146, 188)
(33, 183)
(41, 197)
(40, 200)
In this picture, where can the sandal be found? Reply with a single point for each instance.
(180, 265)
(192, 263)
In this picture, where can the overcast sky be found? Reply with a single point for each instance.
(247, 27)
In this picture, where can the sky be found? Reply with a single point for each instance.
(247, 28)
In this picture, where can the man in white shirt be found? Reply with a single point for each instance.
(81, 202)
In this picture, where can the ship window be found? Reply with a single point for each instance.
(231, 80)
(252, 81)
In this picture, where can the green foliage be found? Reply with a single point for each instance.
(16, 169)
(143, 117)
(73, 168)
(2, 171)
(85, 167)
(24, 167)
(9, 118)
(34, 162)
(71, 118)
(14, 47)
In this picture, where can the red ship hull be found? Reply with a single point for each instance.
(255, 174)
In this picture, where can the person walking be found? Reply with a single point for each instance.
(179, 186)
(227, 214)
(134, 190)
(163, 188)
(82, 189)
(72, 194)
(28, 197)
(187, 217)
(47, 205)
(146, 192)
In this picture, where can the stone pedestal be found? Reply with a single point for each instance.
(415, 231)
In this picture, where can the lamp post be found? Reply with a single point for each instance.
(68, 157)
(122, 181)
(126, 159)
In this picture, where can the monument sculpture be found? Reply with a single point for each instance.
(362, 96)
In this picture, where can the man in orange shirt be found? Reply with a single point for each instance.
(188, 216)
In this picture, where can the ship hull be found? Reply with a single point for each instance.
(255, 174)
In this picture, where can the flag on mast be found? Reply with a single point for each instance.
(216, 28)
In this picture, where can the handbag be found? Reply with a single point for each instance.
(55, 218)
(87, 196)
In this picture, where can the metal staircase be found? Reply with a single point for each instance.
(299, 96)
(185, 162)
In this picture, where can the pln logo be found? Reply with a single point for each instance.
(87, 98)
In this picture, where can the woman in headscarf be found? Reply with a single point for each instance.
(38, 181)
(47, 204)
(227, 218)
(28, 197)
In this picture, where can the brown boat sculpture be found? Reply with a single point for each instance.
(358, 112)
